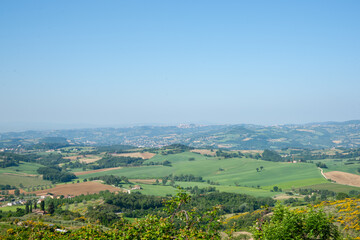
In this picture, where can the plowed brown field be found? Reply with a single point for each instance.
(344, 178)
(77, 189)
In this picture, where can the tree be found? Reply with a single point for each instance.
(257, 169)
(42, 205)
(273, 156)
(294, 224)
(276, 188)
(27, 209)
(51, 208)
(17, 192)
(261, 168)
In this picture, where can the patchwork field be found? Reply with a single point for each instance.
(227, 172)
(77, 189)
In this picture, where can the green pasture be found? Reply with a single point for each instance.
(157, 190)
(26, 181)
(227, 172)
(334, 187)
(233, 189)
(339, 165)
(11, 208)
(24, 167)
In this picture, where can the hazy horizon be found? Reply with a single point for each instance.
(121, 63)
(21, 127)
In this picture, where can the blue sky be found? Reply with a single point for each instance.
(97, 63)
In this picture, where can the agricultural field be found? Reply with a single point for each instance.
(343, 165)
(344, 178)
(24, 168)
(335, 187)
(18, 179)
(84, 158)
(226, 172)
(76, 189)
(143, 155)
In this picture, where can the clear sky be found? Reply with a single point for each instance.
(168, 62)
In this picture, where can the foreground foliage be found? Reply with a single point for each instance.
(347, 213)
(178, 224)
(304, 224)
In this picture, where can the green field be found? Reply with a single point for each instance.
(339, 165)
(157, 190)
(26, 181)
(235, 171)
(334, 187)
(11, 208)
(24, 167)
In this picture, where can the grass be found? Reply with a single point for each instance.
(235, 171)
(233, 189)
(334, 187)
(339, 165)
(82, 207)
(11, 208)
(157, 190)
(24, 167)
(26, 181)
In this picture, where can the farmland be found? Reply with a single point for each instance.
(98, 180)
(233, 171)
(77, 189)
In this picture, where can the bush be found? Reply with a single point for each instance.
(296, 224)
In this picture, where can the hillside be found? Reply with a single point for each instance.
(244, 136)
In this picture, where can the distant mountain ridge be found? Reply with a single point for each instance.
(239, 136)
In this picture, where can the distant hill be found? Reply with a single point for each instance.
(242, 136)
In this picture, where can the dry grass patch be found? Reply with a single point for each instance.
(344, 178)
(143, 155)
(84, 158)
(204, 152)
(95, 171)
(21, 174)
(144, 181)
(77, 189)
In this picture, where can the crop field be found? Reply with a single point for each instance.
(77, 189)
(11, 208)
(23, 168)
(232, 189)
(342, 165)
(227, 172)
(143, 155)
(334, 187)
(96, 171)
(204, 152)
(157, 190)
(344, 178)
(84, 158)
(15, 179)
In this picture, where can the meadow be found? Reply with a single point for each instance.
(334, 187)
(342, 165)
(230, 173)
(26, 181)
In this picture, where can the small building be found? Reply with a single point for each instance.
(136, 187)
